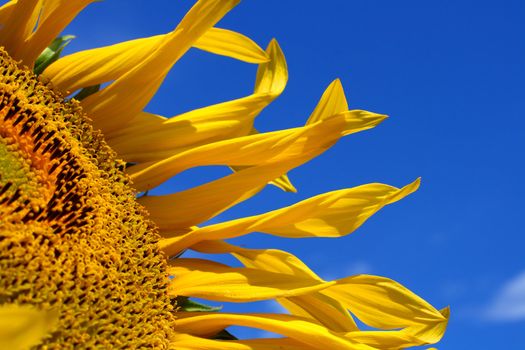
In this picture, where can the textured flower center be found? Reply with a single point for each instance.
(72, 237)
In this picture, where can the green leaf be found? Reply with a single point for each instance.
(51, 53)
(192, 306)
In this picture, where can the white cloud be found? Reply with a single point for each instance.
(509, 303)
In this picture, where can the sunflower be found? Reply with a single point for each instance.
(89, 260)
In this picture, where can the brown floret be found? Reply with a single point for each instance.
(72, 237)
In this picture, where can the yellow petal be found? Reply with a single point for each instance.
(23, 16)
(231, 44)
(147, 121)
(204, 125)
(297, 328)
(332, 102)
(268, 80)
(22, 327)
(111, 107)
(188, 342)
(272, 76)
(201, 203)
(321, 309)
(56, 15)
(324, 306)
(433, 332)
(331, 214)
(265, 259)
(385, 339)
(282, 182)
(411, 336)
(382, 303)
(198, 204)
(198, 127)
(100, 65)
(253, 149)
(314, 306)
(242, 152)
(204, 279)
(6, 10)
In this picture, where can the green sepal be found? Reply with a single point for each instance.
(85, 92)
(192, 306)
(51, 53)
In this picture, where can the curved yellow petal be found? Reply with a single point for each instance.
(23, 326)
(331, 214)
(100, 65)
(111, 107)
(203, 202)
(6, 11)
(332, 101)
(204, 125)
(272, 75)
(189, 342)
(385, 304)
(147, 121)
(411, 336)
(265, 259)
(395, 305)
(283, 182)
(208, 280)
(104, 64)
(321, 309)
(267, 80)
(198, 127)
(231, 44)
(314, 306)
(18, 26)
(432, 332)
(253, 149)
(56, 15)
(385, 339)
(297, 328)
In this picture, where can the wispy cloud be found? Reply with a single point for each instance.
(509, 302)
(359, 267)
(352, 268)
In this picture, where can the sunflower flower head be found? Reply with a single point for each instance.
(86, 263)
(72, 235)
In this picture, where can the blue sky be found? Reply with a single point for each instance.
(450, 76)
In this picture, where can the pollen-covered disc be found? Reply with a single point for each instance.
(72, 238)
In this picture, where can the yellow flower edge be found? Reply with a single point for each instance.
(81, 257)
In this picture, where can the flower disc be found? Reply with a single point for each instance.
(72, 237)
